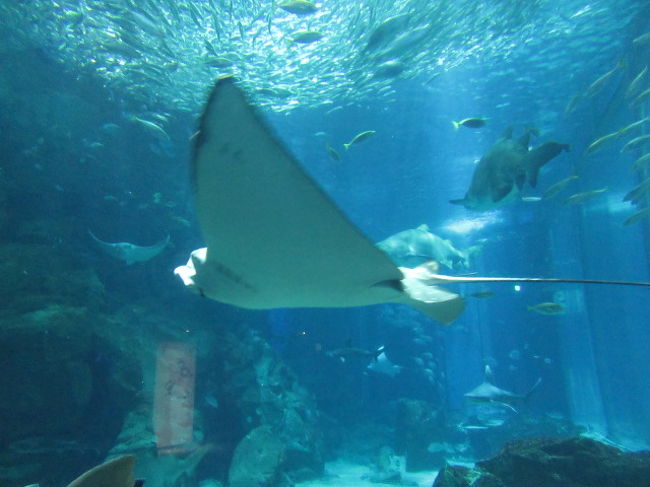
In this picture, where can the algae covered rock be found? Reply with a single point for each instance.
(35, 276)
(66, 391)
(257, 459)
(46, 377)
(546, 462)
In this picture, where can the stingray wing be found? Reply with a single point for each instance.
(117, 472)
(274, 238)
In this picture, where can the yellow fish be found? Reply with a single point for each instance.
(360, 137)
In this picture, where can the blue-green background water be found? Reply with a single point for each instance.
(78, 78)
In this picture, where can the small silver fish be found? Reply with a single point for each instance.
(636, 142)
(636, 217)
(576, 199)
(558, 187)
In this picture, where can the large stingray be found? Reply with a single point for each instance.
(502, 171)
(274, 239)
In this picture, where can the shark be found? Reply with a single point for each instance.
(349, 352)
(275, 239)
(501, 173)
(129, 252)
(415, 246)
(487, 392)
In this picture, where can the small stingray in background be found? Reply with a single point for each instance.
(129, 252)
(382, 365)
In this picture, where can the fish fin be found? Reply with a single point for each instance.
(346, 146)
(541, 155)
(455, 124)
(488, 374)
(520, 179)
(458, 202)
(500, 190)
(424, 227)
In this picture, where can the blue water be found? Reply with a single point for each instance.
(77, 80)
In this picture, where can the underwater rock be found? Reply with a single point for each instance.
(161, 468)
(66, 386)
(487, 442)
(46, 377)
(419, 424)
(263, 391)
(257, 459)
(34, 276)
(546, 462)
(4, 191)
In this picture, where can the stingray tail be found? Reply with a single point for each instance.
(540, 156)
(532, 389)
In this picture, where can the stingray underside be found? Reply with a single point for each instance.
(274, 238)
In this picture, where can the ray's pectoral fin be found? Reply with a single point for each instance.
(117, 472)
(541, 155)
(434, 301)
(500, 189)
